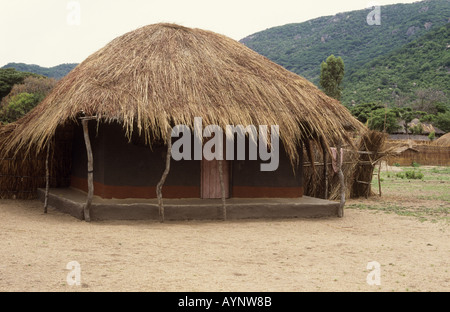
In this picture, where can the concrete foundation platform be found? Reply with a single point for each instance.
(71, 201)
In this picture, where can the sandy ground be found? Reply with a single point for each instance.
(327, 254)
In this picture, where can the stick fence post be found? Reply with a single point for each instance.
(222, 188)
(325, 167)
(90, 168)
(164, 176)
(47, 178)
(341, 180)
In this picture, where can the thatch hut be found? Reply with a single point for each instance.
(142, 84)
(443, 140)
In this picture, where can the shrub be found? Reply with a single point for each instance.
(442, 121)
(413, 175)
(18, 106)
(24, 97)
(416, 129)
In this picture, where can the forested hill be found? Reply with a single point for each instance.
(302, 47)
(395, 77)
(56, 72)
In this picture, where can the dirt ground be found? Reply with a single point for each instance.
(326, 254)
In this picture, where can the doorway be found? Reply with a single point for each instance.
(210, 179)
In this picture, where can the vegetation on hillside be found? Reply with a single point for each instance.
(401, 76)
(24, 97)
(56, 72)
(383, 118)
(301, 47)
(394, 71)
(8, 78)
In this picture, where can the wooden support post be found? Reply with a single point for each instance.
(301, 166)
(90, 168)
(369, 183)
(164, 176)
(47, 179)
(325, 168)
(341, 180)
(222, 188)
(311, 183)
(379, 181)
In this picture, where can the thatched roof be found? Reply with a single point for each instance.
(443, 140)
(162, 75)
(427, 128)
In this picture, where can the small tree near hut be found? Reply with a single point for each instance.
(331, 75)
(24, 97)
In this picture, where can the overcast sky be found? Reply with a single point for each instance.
(51, 32)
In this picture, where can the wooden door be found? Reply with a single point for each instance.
(210, 183)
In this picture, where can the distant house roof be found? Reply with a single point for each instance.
(401, 149)
(427, 127)
(401, 127)
(443, 140)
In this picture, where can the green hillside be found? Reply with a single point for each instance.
(397, 76)
(56, 72)
(302, 47)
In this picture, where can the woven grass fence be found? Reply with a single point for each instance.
(21, 177)
(358, 168)
(423, 154)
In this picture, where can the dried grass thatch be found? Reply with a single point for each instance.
(21, 176)
(164, 74)
(358, 167)
(372, 150)
(443, 140)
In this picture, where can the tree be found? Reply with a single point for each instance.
(40, 85)
(429, 100)
(442, 121)
(383, 119)
(363, 111)
(331, 75)
(432, 136)
(377, 116)
(8, 78)
(18, 106)
(24, 97)
(416, 129)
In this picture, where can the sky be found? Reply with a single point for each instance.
(52, 32)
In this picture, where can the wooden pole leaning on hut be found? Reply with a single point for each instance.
(90, 167)
(325, 167)
(379, 179)
(341, 180)
(300, 166)
(164, 176)
(222, 188)
(47, 178)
